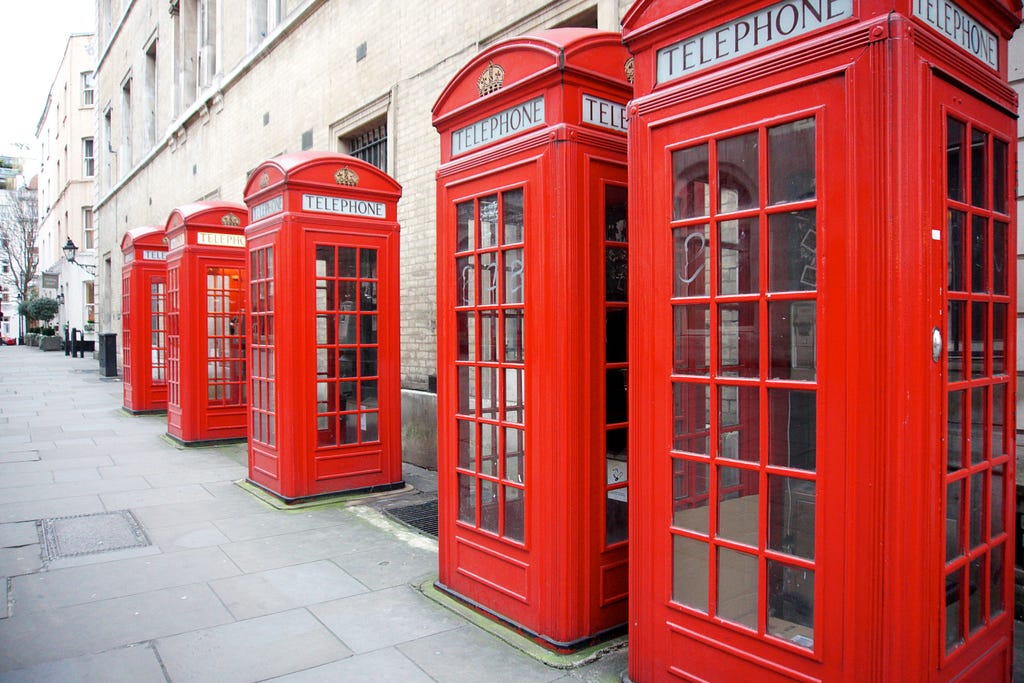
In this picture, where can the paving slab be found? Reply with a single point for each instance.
(381, 666)
(469, 655)
(131, 664)
(22, 560)
(266, 523)
(391, 564)
(250, 650)
(300, 547)
(151, 497)
(18, 534)
(188, 536)
(60, 507)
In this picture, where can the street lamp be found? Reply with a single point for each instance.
(70, 251)
(60, 298)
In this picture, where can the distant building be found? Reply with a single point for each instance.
(67, 166)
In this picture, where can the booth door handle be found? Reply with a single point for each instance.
(936, 344)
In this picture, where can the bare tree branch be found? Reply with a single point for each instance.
(19, 229)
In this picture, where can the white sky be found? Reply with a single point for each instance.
(33, 35)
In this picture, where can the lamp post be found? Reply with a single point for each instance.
(70, 250)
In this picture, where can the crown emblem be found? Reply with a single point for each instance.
(629, 69)
(264, 180)
(230, 219)
(491, 79)
(346, 176)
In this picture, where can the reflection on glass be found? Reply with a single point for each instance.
(513, 335)
(515, 453)
(464, 227)
(737, 587)
(792, 326)
(1000, 172)
(978, 422)
(999, 257)
(512, 215)
(975, 614)
(954, 519)
(979, 254)
(791, 603)
(998, 420)
(616, 323)
(515, 396)
(324, 261)
(690, 257)
(739, 256)
(691, 194)
(489, 445)
(956, 339)
(791, 162)
(955, 160)
(999, 339)
(979, 169)
(513, 276)
(739, 423)
(616, 273)
(467, 390)
(955, 431)
(488, 279)
(489, 336)
(346, 262)
(792, 418)
(977, 504)
(690, 573)
(488, 221)
(979, 329)
(997, 590)
(690, 406)
(792, 251)
(465, 326)
(955, 261)
(738, 508)
(467, 499)
(791, 515)
(515, 514)
(465, 278)
(954, 628)
(692, 330)
(739, 354)
(738, 173)
(690, 500)
(616, 516)
(489, 506)
(368, 264)
(467, 445)
(998, 512)
(490, 393)
(615, 213)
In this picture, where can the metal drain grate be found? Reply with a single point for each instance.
(422, 516)
(89, 534)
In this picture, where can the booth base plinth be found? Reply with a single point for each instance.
(136, 413)
(202, 443)
(282, 503)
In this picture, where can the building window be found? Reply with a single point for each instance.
(264, 16)
(371, 145)
(206, 39)
(88, 90)
(108, 140)
(150, 95)
(88, 229)
(89, 297)
(88, 158)
(126, 124)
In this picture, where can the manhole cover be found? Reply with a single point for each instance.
(422, 516)
(90, 534)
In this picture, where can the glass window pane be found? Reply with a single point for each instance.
(997, 587)
(1000, 172)
(976, 616)
(616, 273)
(615, 395)
(368, 264)
(793, 329)
(979, 254)
(954, 600)
(791, 515)
(515, 396)
(791, 162)
(955, 160)
(489, 506)
(692, 339)
(979, 169)
(998, 512)
(690, 500)
(739, 340)
(999, 257)
(465, 279)
(489, 221)
(467, 445)
(616, 516)
(368, 427)
(489, 336)
(488, 279)
(615, 340)
(349, 426)
(513, 335)
(739, 257)
(464, 227)
(467, 499)
(977, 504)
(955, 261)
(515, 455)
(978, 422)
(489, 445)
(512, 215)
(792, 418)
(324, 261)
(615, 213)
(616, 448)
(513, 276)
(465, 324)
(954, 519)
(368, 296)
(467, 390)
(792, 251)
(739, 423)
(514, 525)
(738, 173)
(737, 587)
(490, 394)
(791, 603)
(691, 193)
(346, 262)
(690, 256)
(738, 507)
(955, 431)
(998, 420)
(999, 332)
(690, 572)
(979, 329)
(956, 340)
(691, 423)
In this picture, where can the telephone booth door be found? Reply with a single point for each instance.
(825, 375)
(532, 310)
(144, 320)
(326, 404)
(206, 365)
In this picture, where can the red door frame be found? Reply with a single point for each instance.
(143, 322)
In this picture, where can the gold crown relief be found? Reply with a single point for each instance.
(230, 219)
(491, 79)
(629, 69)
(346, 176)
(264, 180)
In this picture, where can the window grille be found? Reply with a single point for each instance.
(371, 146)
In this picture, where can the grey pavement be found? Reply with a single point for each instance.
(222, 586)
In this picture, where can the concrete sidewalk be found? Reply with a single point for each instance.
(222, 586)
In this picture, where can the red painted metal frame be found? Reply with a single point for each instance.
(880, 84)
(143, 323)
(206, 275)
(536, 555)
(297, 449)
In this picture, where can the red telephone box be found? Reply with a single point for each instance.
(143, 320)
(324, 329)
(823, 370)
(206, 276)
(532, 367)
